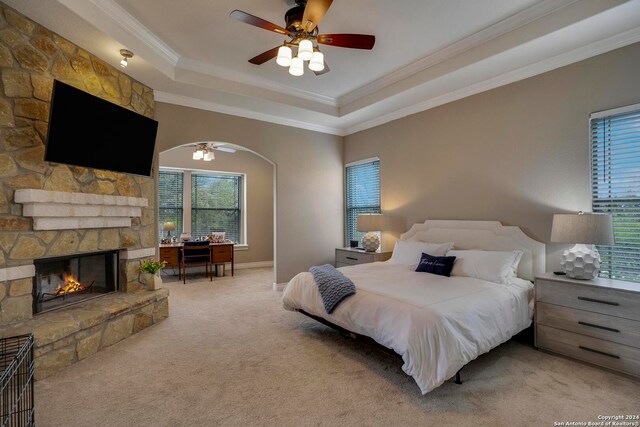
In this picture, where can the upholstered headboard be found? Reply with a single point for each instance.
(486, 235)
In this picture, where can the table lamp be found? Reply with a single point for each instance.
(585, 230)
(370, 223)
(169, 227)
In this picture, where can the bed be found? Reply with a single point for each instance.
(436, 324)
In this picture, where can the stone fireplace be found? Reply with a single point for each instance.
(67, 280)
(54, 218)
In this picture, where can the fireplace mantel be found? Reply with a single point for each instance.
(59, 210)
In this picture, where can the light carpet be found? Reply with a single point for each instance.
(229, 354)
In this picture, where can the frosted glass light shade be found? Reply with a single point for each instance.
(284, 56)
(297, 67)
(370, 222)
(198, 155)
(305, 50)
(585, 228)
(317, 61)
(208, 156)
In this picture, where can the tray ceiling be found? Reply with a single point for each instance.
(426, 53)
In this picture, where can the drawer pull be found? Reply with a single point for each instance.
(598, 326)
(598, 352)
(352, 258)
(599, 301)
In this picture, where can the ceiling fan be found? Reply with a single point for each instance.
(204, 150)
(301, 26)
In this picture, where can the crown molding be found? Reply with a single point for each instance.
(136, 28)
(260, 82)
(505, 26)
(602, 46)
(187, 101)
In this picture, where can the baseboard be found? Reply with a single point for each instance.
(279, 286)
(257, 264)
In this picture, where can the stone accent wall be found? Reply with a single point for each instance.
(31, 57)
(65, 337)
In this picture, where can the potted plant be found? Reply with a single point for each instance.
(151, 270)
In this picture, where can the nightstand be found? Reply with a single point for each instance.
(351, 256)
(596, 321)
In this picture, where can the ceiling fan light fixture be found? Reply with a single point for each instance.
(317, 61)
(284, 56)
(297, 67)
(208, 156)
(305, 50)
(198, 154)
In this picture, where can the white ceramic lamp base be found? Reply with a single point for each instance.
(371, 242)
(581, 262)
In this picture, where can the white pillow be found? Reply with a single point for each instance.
(409, 253)
(492, 266)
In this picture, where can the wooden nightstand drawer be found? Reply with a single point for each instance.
(600, 352)
(589, 298)
(352, 257)
(602, 326)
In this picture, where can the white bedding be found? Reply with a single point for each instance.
(438, 324)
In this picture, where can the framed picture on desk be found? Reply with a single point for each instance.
(217, 237)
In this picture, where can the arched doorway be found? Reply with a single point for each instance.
(257, 176)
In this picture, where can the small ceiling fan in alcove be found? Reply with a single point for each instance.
(205, 150)
(301, 26)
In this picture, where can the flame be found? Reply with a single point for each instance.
(71, 285)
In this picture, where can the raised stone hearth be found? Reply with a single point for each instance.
(66, 336)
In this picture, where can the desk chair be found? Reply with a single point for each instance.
(196, 254)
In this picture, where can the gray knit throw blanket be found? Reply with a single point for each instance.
(334, 286)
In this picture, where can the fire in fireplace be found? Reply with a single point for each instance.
(62, 281)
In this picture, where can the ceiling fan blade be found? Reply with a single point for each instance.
(226, 149)
(265, 56)
(324, 71)
(353, 41)
(314, 11)
(257, 22)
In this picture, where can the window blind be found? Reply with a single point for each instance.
(615, 183)
(215, 205)
(362, 195)
(170, 201)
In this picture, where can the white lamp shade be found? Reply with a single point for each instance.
(284, 56)
(208, 156)
(198, 154)
(317, 61)
(123, 62)
(305, 50)
(370, 222)
(582, 228)
(297, 67)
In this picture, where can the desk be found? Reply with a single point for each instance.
(221, 253)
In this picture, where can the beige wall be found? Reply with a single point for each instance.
(516, 154)
(259, 194)
(309, 174)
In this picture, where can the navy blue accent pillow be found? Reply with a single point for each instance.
(440, 265)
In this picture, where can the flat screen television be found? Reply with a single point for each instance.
(88, 131)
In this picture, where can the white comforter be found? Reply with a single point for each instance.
(438, 324)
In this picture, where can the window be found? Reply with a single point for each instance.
(170, 201)
(615, 183)
(362, 193)
(215, 205)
